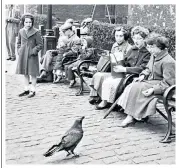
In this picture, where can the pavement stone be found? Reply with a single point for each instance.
(33, 125)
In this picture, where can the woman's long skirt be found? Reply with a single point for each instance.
(97, 82)
(135, 103)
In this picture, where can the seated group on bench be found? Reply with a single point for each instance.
(69, 46)
(149, 59)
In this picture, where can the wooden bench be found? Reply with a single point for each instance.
(83, 72)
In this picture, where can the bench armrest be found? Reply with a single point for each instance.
(85, 61)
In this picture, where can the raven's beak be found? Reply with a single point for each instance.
(82, 118)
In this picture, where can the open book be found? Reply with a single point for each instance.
(116, 59)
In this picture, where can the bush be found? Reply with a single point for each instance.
(104, 37)
(41, 19)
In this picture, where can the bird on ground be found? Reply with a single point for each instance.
(70, 140)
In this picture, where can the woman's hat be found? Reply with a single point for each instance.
(69, 21)
(66, 26)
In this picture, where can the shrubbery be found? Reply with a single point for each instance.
(104, 37)
(41, 19)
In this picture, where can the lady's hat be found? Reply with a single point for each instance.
(66, 26)
(69, 21)
(87, 20)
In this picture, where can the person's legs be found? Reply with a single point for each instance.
(45, 67)
(7, 43)
(26, 87)
(33, 86)
(71, 75)
(57, 76)
(12, 42)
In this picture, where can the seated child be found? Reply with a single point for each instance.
(64, 52)
(62, 45)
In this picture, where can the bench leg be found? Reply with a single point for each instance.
(167, 138)
(82, 82)
(80, 92)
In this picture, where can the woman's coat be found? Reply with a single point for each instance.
(160, 74)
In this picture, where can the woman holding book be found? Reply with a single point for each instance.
(134, 62)
(120, 46)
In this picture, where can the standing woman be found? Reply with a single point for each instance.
(28, 45)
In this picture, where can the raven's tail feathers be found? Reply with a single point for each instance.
(52, 150)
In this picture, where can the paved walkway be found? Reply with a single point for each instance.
(33, 125)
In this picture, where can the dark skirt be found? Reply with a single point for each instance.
(138, 105)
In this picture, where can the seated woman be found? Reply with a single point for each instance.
(121, 45)
(85, 53)
(134, 62)
(140, 97)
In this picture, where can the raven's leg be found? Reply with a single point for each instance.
(68, 153)
(74, 153)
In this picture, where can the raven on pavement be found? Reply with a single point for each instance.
(70, 140)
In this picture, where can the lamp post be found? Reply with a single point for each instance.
(49, 38)
(39, 9)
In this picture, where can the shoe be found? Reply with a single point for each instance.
(102, 105)
(59, 78)
(13, 59)
(94, 100)
(124, 125)
(100, 108)
(8, 58)
(31, 94)
(25, 93)
(127, 121)
(43, 74)
(146, 119)
(72, 84)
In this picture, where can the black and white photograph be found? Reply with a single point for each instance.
(88, 83)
